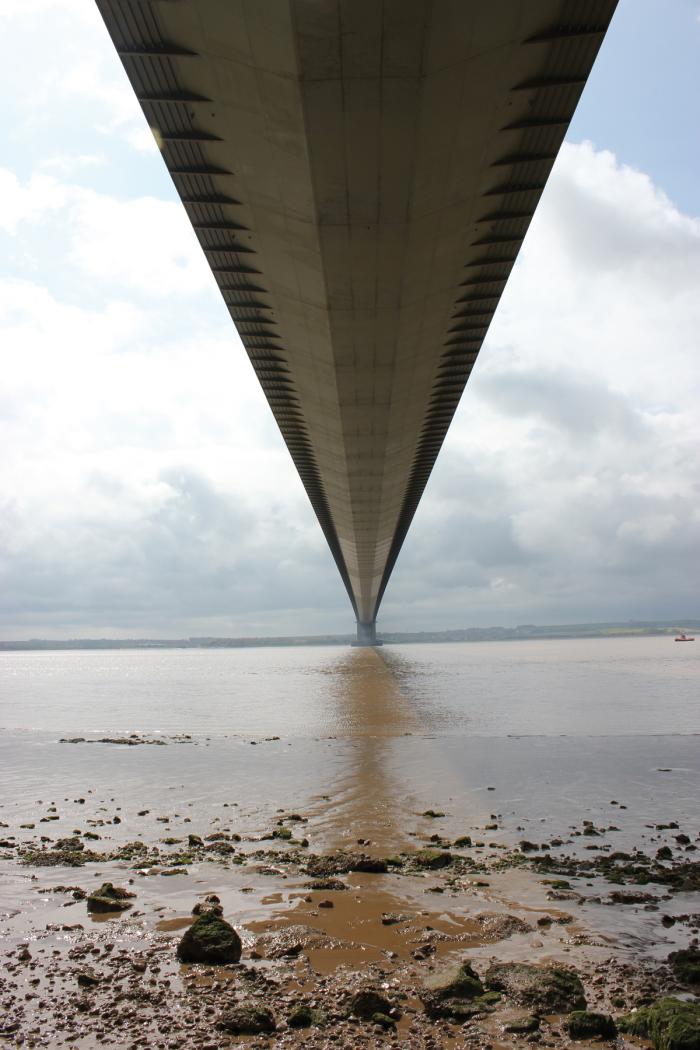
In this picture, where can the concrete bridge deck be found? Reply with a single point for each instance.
(360, 175)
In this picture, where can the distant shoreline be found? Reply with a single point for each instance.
(527, 632)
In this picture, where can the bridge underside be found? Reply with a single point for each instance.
(360, 175)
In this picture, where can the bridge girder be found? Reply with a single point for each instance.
(360, 175)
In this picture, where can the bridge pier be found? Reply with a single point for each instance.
(367, 634)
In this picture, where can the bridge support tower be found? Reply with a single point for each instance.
(367, 634)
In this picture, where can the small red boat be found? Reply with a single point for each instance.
(684, 638)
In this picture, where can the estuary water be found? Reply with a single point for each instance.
(535, 733)
(445, 788)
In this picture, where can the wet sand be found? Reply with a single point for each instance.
(85, 980)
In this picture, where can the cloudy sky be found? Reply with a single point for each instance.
(144, 488)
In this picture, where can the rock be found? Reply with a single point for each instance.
(586, 1024)
(361, 862)
(325, 884)
(303, 1016)
(434, 814)
(87, 979)
(523, 1025)
(109, 898)
(210, 939)
(463, 841)
(460, 981)
(547, 989)
(686, 965)
(383, 1020)
(367, 1002)
(456, 993)
(433, 859)
(497, 926)
(72, 844)
(671, 1024)
(211, 903)
(393, 918)
(325, 904)
(632, 897)
(248, 1018)
(282, 833)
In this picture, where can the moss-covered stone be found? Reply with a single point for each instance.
(460, 981)
(383, 1020)
(686, 965)
(456, 992)
(303, 1016)
(210, 939)
(109, 898)
(361, 862)
(249, 1018)
(586, 1024)
(433, 859)
(463, 842)
(547, 989)
(367, 1002)
(671, 1024)
(523, 1025)
(282, 833)
(433, 814)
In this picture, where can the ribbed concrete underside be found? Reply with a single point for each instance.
(360, 174)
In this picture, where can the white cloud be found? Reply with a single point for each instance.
(59, 68)
(144, 485)
(146, 245)
(29, 202)
(143, 245)
(71, 163)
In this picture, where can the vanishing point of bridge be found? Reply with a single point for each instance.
(360, 175)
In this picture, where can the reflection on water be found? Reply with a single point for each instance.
(370, 796)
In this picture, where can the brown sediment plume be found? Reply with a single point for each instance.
(368, 801)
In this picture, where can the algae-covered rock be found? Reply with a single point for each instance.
(211, 903)
(671, 1024)
(433, 859)
(456, 992)
(303, 1016)
(282, 833)
(367, 1002)
(248, 1018)
(686, 965)
(383, 1020)
(210, 939)
(72, 844)
(109, 898)
(460, 981)
(586, 1024)
(547, 989)
(361, 862)
(523, 1025)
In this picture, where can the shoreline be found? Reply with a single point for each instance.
(319, 926)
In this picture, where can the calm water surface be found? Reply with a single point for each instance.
(367, 739)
